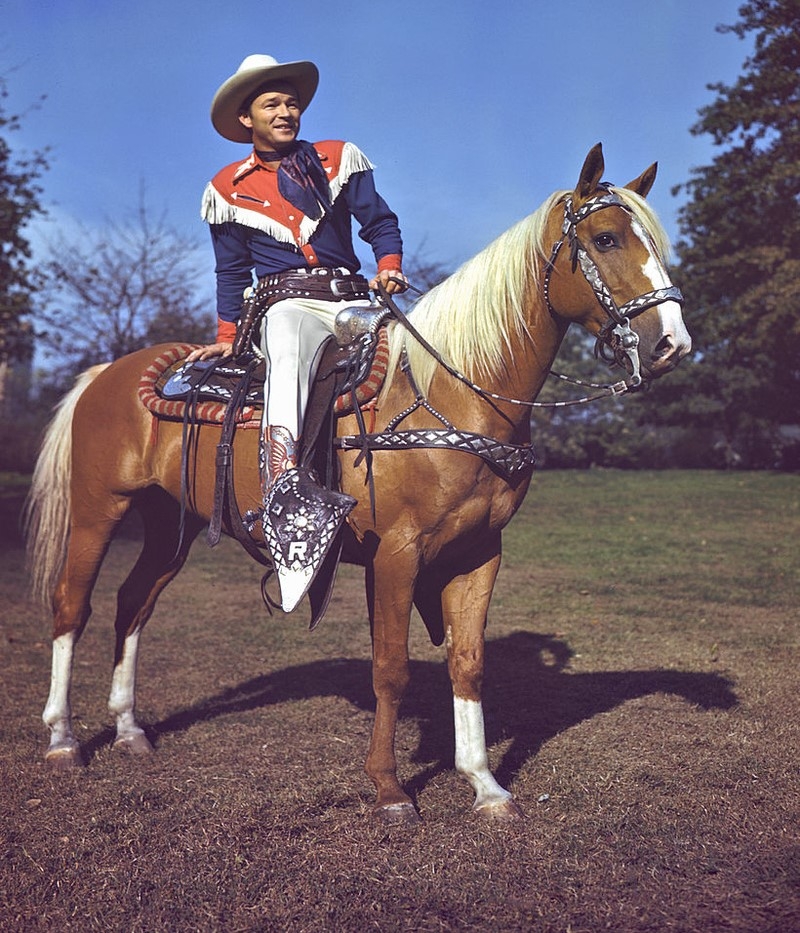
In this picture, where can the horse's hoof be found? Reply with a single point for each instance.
(64, 759)
(395, 814)
(136, 744)
(501, 811)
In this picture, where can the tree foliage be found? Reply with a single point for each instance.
(19, 204)
(125, 286)
(740, 251)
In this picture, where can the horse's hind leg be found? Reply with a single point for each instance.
(465, 603)
(87, 547)
(64, 750)
(164, 552)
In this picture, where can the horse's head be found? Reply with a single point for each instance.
(612, 279)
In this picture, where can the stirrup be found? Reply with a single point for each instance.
(300, 522)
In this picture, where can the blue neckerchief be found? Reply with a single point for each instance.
(302, 179)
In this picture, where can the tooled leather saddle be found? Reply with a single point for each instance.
(229, 392)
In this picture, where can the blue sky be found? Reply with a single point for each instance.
(473, 112)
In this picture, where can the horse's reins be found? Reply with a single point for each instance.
(607, 389)
(615, 343)
(615, 337)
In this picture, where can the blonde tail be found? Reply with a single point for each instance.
(47, 509)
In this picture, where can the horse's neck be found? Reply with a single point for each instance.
(535, 354)
(527, 364)
(531, 354)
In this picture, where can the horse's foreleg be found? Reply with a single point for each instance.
(163, 555)
(465, 601)
(390, 613)
(491, 800)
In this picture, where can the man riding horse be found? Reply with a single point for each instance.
(285, 213)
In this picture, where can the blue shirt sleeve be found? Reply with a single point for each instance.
(379, 225)
(234, 267)
(241, 250)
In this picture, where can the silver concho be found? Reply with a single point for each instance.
(353, 321)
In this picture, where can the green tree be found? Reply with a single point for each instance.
(740, 252)
(604, 432)
(19, 204)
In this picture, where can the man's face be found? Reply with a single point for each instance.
(274, 118)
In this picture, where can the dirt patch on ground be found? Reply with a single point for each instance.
(643, 711)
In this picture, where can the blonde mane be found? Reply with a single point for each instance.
(472, 316)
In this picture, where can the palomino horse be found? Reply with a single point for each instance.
(432, 535)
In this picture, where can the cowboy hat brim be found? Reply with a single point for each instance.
(254, 71)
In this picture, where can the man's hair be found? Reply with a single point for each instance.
(244, 109)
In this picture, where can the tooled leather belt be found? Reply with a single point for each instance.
(321, 283)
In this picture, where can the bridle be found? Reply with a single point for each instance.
(616, 342)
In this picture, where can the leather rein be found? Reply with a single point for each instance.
(616, 343)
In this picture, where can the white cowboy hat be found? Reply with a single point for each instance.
(254, 71)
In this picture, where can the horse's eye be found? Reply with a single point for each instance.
(605, 241)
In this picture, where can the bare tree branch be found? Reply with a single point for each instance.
(114, 290)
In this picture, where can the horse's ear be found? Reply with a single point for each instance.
(591, 174)
(644, 182)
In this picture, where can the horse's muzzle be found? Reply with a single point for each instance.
(661, 351)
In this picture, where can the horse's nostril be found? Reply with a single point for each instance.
(663, 348)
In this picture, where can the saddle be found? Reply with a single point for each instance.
(229, 393)
(209, 386)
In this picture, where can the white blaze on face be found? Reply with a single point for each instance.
(654, 271)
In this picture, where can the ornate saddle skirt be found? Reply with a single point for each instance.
(169, 382)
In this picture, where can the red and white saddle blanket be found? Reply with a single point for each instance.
(169, 381)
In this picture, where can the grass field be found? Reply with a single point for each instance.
(642, 703)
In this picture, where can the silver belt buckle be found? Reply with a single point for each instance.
(336, 284)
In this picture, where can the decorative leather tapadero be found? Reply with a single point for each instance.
(300, 522)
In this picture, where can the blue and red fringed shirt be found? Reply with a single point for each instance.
(254, 228)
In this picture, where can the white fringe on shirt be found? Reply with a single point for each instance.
(215, 209)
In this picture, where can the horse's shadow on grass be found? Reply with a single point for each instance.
(530, 697)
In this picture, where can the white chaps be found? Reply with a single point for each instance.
(292, 333)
